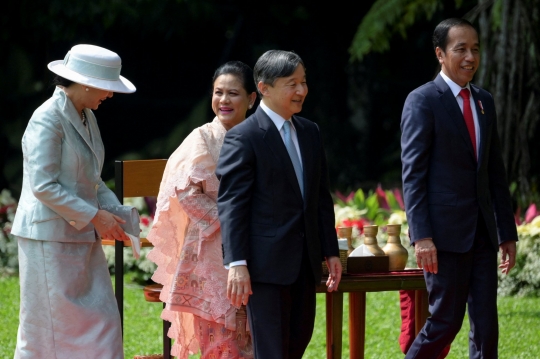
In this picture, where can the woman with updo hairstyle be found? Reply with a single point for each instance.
(186, 232)
(68, 308)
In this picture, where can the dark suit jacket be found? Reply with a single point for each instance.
(264, 219)
(444, 187)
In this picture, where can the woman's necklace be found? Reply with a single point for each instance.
(83, 118)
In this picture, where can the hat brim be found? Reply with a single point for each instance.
(122, 85)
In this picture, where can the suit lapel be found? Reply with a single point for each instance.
(96, 146)
(449, 102)
(273, 139)
(75, 120)
(70, 112)
(481, 122)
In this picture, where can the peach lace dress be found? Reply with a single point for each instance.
(187, 250)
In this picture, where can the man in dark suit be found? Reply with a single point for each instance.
(276, 212)
(456, 196)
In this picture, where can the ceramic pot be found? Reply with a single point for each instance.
(397, 254)
(346, 233)
(370, 240)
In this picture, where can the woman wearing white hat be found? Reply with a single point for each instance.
(67, 308)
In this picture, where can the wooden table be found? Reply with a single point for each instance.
(357, 286)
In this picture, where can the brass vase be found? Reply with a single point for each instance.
(397, 254)
(346, 233)
(370, 240)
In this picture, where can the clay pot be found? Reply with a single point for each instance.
(370, 240)
(346, 233)
(397, 254)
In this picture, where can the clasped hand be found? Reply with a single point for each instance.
(107, 226)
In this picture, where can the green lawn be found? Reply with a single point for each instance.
(519, 326)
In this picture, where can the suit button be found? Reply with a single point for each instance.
(301, 234)
(72, 223)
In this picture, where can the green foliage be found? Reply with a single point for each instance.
(141, 269)
(496, 15)
(392, 201)
(375, 207)
(366, 207)
(9, 261)
(384, 19)
(524, 199)
(387, 17)
(524, 278)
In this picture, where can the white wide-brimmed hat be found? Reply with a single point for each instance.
(93, 66)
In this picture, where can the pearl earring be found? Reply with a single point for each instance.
(250, 106)
(87, 89)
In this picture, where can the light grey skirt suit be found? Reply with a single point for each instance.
(67, 309)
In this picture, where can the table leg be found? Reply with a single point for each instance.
(334, 323)
(421, 309)
(357, 324)
(166, 340)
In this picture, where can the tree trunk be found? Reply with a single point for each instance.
(509, 68)
(500, 84)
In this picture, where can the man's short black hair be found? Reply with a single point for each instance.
(274, 64)
(440, 34)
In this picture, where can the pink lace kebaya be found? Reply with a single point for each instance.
(187, 250)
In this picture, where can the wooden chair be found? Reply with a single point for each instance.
(137, 178)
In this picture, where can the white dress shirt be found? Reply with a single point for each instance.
(279, 121)
(455, 88)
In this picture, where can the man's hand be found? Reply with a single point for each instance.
(238, 285)
(508, 256)
(426, 255)
(334, 270)
(107, 226)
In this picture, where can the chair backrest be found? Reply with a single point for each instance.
(138, 178)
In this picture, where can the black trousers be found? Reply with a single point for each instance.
(464, 281)
(281, 317)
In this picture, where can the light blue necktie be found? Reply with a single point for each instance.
(293, 154)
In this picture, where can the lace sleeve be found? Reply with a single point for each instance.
(200, 208)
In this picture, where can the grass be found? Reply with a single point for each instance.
(9, 315)
(519, 326)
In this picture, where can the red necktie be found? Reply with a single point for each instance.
(467, 114)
